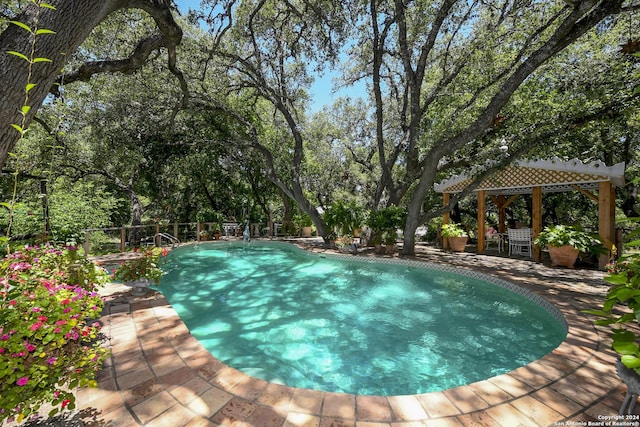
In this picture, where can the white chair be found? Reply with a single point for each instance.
(520, 241)
(493, 238)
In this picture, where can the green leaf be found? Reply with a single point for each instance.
(625, 348)
(600, 313)
(48, 6)
(630, 361)
(25, 109)
(41, 60)
(22, 25)
(29, 86)
(17, 127)
(18, 54)
(44, 31)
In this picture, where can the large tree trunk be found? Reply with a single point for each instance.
(72, 22)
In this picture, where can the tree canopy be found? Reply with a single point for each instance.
(215, 106)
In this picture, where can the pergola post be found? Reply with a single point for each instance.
(446, 218)
(481, 221)
(606, 219)
(536, 218)
(502, 217)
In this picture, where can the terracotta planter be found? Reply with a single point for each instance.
(306, 231)
(457, 244)
(388, 248)
(563, 256)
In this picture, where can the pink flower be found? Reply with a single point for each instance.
(35, 326)
(22, 381)
(13, 302)
(61, 322)
(51, 361)
(43, 318)
(29, 347)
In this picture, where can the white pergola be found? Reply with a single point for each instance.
(536, 177)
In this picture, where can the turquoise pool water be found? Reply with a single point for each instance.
(286, 316)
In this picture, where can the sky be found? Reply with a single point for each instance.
(321, 90)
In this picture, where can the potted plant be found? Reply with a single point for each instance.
(384, 222)
(376, 241)
(204, 234)
(304, 222)
(565, 242)
(389, 238)
(347, 217)
(142, 270)
(456, 235)
(621, 312)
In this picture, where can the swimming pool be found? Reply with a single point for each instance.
(346, 324)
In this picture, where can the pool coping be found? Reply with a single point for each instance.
(161, 375)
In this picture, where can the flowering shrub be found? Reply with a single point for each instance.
(146, 266)
(47, 345)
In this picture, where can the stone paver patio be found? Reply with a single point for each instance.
(159, 375)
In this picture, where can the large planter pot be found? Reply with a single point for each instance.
(306, 231)
(563, 256)
(457, 244)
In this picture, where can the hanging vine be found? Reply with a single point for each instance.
(31, 59)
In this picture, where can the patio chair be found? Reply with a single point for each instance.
(492, 236)
(520, 241)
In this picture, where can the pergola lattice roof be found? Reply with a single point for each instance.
(554, 175)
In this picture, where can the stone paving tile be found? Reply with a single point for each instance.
(477, 419)
(306, 401)
(339, 405)
(235, 410)
(407, 408)
(188, 391)
(154, 406)
(490, 392)
(277, 396)
(437, 405)
(210, 402)
(296, 419)
(200, 422)
(557, 401)
(465, 399)
(508, 416)
(371, 424)
(141, 392)
(336, 422)
(511, 385)
(176, 416)
(543, 414)
(134, 378)
(443, 422)
(373, 408)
